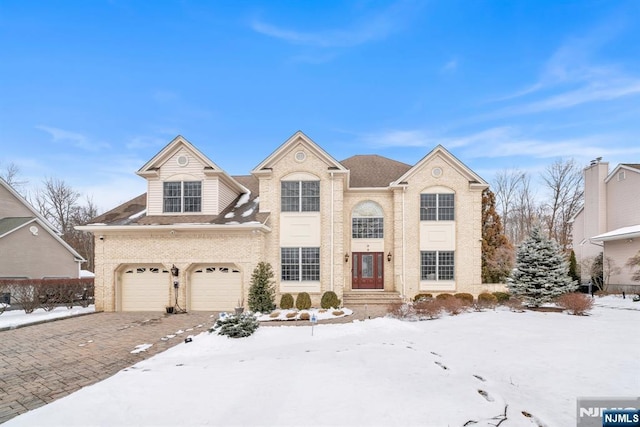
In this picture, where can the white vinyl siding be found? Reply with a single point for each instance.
(226, 196)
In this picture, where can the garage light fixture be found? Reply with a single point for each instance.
(174, 271)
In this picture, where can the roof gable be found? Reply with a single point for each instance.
(448, 158)
(179, 143)
(298, 138)
(37, 216)
(631, 167)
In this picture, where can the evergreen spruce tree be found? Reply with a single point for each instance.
(541, 272)
(573, 267)
(261, 292)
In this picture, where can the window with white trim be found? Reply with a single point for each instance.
(437, 265)
(437, 207)
(300, 196)
(300, 264)
(182, 196)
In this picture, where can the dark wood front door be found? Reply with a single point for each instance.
(367, 270)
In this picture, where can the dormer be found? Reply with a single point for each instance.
(183, 181)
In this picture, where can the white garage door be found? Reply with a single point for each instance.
(145, 288)
(215, 288)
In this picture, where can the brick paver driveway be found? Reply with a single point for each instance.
(41, 363)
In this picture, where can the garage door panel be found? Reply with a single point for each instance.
(145, 288)
(215, 288)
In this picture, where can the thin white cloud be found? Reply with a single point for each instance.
(450, 67)
(76, 139)
(572, 77)
(420, 138)
(369, 28)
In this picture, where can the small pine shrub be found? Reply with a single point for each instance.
(501, 297)
(286, 301)
(261, 291)
(451, 305)
(236, 326)
(422, 297)
(304, 316)
(444, 296)
(303, 301)
(291, 314)
(274, 314)
(429, 309)
(487, 300)
(329, 300)
(575, 303)
(467, 299)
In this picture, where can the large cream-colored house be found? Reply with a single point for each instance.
(372, 229)
(609, 221)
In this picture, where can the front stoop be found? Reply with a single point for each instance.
(374, 298)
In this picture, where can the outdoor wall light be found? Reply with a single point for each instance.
(174, 271)
(389, 257)
(346, 257)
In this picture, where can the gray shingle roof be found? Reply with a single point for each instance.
(373, 170)
(11, 223)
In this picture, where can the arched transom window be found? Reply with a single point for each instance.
(367, 221)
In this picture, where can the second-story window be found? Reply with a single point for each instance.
(182, 196)
(437, 207)
(300, 196)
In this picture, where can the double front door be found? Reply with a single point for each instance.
(367, 270)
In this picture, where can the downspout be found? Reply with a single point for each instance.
(404, 245)
(332, 260)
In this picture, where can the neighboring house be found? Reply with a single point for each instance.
(30, 247)
(609, 221)
(372, 229)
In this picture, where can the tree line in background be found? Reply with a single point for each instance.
(513, 210)
(62, 206)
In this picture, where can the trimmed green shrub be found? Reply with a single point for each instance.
(502, 297)
(286, 301)
(422, 297)
(236, 326)
(487, 300)
(329, 300)
(467, 299)
(303, 301)
(444, 296)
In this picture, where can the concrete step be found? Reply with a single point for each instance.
(370, 298)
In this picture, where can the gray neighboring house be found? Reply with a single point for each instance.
(30, 247)
(609, 221)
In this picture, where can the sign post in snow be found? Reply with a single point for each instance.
(313, 321)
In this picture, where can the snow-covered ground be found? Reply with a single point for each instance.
(15, 318)
(378, 372)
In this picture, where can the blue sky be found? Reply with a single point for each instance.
(91, 90)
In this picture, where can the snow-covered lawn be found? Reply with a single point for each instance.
(377, 372)
(15, 318)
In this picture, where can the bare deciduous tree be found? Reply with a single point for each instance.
(58, 202)
(10, 173)
(563, 179)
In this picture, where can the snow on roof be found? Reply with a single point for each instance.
(138, 215)
(619, 234)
